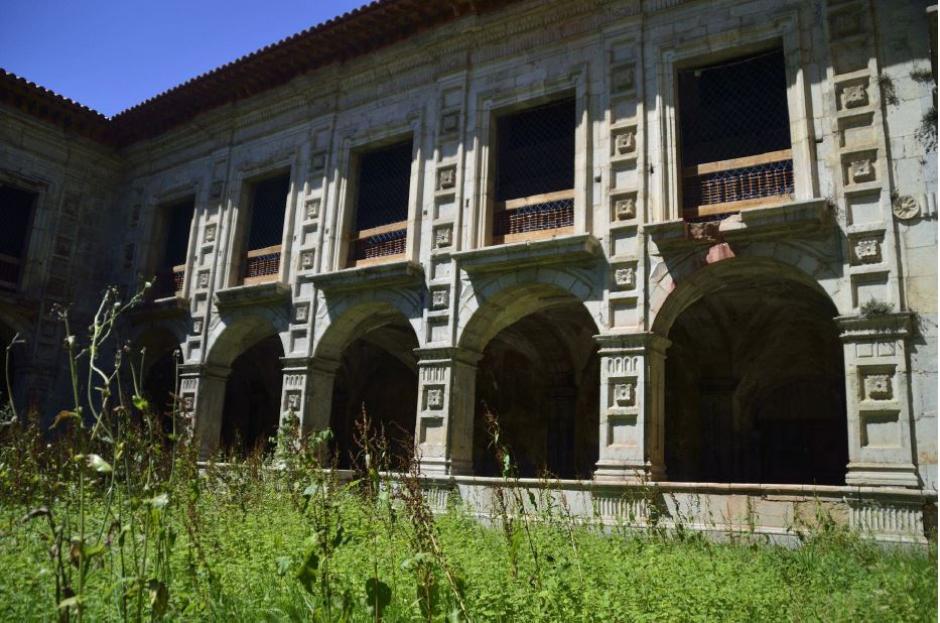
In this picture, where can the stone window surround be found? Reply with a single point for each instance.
(348, 166)
(499, 101)
(236, 222)
(728, 44)
(43, 190)
(154, 213)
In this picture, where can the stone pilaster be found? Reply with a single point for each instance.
(307, 391)
(202, 398)
(877, 396)
(631, 403)
(446, 406)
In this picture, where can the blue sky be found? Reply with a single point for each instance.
(112, 54)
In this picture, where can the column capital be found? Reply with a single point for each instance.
(897, 325)
(640, 341)
(447, 354)
(204, 369)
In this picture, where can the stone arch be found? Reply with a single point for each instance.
(492, 304)
(538, 372)
(754, 377)
(371, 341)
(342, 319)
(246, 347)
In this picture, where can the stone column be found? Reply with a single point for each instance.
(202, 398)
(307, 390)
(878, 402)
(446, 406)
(632, 392)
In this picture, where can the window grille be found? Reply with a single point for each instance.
(735, 135)
(534, 187)
(178, 218)
(268, 204)
(16, 208)
(381, 226)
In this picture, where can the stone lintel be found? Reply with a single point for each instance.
(635, 342)
(258, 294)
(405, 273)
(895, 325)
(571, 250)
(787, 220)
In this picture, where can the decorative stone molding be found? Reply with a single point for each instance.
(301, 312)
(625, 277)
(307, 260)
(450, 122)
(215, 189)
(867, 250)
(624, 208)
(442, 236)
(312, 208)
(202, 279)
(623, 79)
(571, 250)
(405, 273)
(878, 387)
(318, 162)
(271, 293)
(440, 297)
(625, 143)
(446, 178)
(861, 170)
(854, 96)
(209, 236)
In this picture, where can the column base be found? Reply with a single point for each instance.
(883, 475)
(621, 471)
(445, 467)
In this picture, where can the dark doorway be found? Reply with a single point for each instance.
(252, 398)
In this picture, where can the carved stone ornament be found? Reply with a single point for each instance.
(210, 232)
(446, 178)
(624, 394)
(197, 326)
(867, 250)
(438, 299)
(625, 143)
(435, 398)
(293, 401)
(306, 260)
(188, 401)
(625, 277)
(203, 280)
(449, 122)
(854, 96)
(905, 207)
(862, 170)
(704, 231)
(878, 387)
(215, 189)
(312, 208)
(301, 312)
(625, 209)
(442, 237)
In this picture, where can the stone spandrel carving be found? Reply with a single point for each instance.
(624, 394)
(854, 96)
(862, 170)
(867, 250)
(625, 209)
(625, 277)
(625, 143)
(905, 207)
(878, 387)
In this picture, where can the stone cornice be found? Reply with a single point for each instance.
(260, 294)
(896, 325)
(572, 250)
(406, 273)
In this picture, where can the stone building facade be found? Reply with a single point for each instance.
(680, 247)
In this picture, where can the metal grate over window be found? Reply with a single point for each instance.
(268, 204)
(16, 208)
(734, 134)
(384, 181)
(170, 272)
(534, 187)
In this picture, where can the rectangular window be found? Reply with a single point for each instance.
(735, 135)
(177, 219)
(380, 230)
(265, 229)
(16, 210)
(534, 185)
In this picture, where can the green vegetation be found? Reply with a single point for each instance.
(114, 520)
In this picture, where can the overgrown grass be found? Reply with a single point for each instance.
(111, 519)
